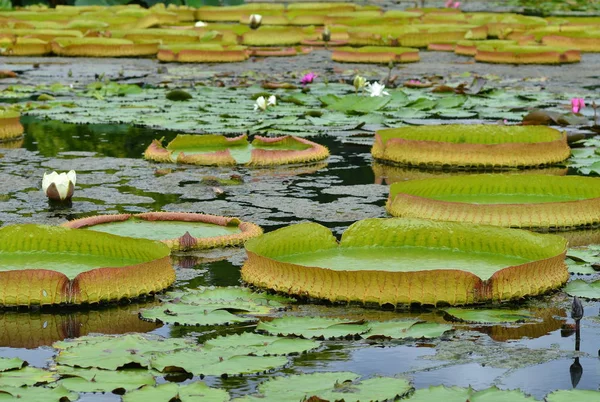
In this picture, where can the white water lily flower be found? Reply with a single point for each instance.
(59, 187)
(262, 103)
(200, 24)
(376, 89)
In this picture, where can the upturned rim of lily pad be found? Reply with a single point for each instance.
(103, 47)
(375, 54)
(471, 146)
(544, 270)
(583, 44)
(311, 152)
(10, 126)
(269, 51)
(527, 55)
(26, 47)
(202, 53)
(580, 206)
(39, 286)
(186, 241)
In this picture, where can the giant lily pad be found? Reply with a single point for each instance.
(525, 201)
(514, 54)
(178, 230)
(103, 47)
(330, 387)
(375, 54)
(24, 47)
(42, 265)
(489, 146)
(221, 151)
(201, 53)
(407, 261)
(10, 126)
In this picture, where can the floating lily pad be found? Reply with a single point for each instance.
(38, 394)
(313, 327)
(184, 393)
(406, 261)
(111, 352)
(581, 288)
(103, 47)
(216, 361)
(523, 201)
(456, 394)
(569, 395)
(330, 387)
(26, 376)
(516, 54)
(24, 47)
(178, 230)
(262, 345)
(44, 265)
(471, 146)
(489, 316)
(375, 54)
(92, 380)
(222, 151)
(401, 329)
(11, 364)
(201, 53)
(216, 306)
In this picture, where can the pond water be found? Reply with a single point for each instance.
(537, 357)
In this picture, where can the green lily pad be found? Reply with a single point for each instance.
(313, 327)
(111, 352)
(375, 255)
(359, 103)
(37, 394)
(262, 345)
(44, 265)
(581, 288)
(494, 394)
(194, 314)
(196, 391)
(178, 230)
(11, 363)
(570, 395)
(92, 380)
(25, 377)
(330, 387)
(217, 361)
(400, 329)
(441, 393)
(263, 302)
(489, 316)
(523, 200)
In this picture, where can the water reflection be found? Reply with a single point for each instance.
(33, 329)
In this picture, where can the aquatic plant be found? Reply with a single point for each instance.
(308, 78)
(376, 89)
(262, 103)
(382, 261)
(577, 104)
(59, 187)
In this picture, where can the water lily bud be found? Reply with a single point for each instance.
(59, 187)
(359, 82)
(576, 309)
(326, 35)
(254, 21)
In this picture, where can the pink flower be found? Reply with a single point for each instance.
(452, 4)
(449, 3)
(577, 104)
(415, 82)
(456, 4)
(308, 78)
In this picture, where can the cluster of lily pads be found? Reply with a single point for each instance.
(230, 34)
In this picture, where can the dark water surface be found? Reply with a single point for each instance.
(113, 178)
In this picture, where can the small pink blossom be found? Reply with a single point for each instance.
(415, 82)
(456, 4)
(452, 4)
(577, 104)
(308, 78)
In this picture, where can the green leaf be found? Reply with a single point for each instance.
(489, 316)
(111, 352)
(196, 391)
(11, 363)
(93, 380)
(441, 393)
(400, 329)
(571, 395)
(584, 289)
(193, 314)
(313, 327)
(494, 394)
(26, 376)
(262, 345)
(37, 394)
(359, 103)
